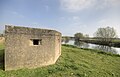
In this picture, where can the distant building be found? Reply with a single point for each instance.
(30, 47)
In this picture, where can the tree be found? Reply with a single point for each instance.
(86, 36)
(65, 39)
(106, 34)
(78, 36)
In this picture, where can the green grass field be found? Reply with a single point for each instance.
(74, 62)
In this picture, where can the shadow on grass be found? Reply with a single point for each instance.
(2, 59)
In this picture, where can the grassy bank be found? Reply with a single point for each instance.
(74, 62)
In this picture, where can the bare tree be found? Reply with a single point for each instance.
(106, 34)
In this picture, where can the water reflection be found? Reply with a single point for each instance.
(105, 49)
(66, 41)
(78, 43)
(81, 44)
(93, 46)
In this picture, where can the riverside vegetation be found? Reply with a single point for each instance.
(74, 62)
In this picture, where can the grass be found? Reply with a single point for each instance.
(116, 41)
(74, 62)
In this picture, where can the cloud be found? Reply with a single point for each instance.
(76, 18)
(78, 5)
(39, 25)
(110, 22)
(74, 28)
(17, 14)
(113, 2)
(73, 18)
(75, 5)
(74, 25)
(102, 4)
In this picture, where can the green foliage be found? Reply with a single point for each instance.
(78, 36)
(65, 39)
(74, 62)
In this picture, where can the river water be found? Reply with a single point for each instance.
(114, 50)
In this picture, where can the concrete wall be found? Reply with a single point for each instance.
(57, 46)
(21, 53)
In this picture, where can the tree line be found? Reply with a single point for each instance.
(106, 34)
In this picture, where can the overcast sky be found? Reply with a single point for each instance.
(66, 16)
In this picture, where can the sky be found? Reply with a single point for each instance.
(66, 16)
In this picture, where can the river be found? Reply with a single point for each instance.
(114, 50)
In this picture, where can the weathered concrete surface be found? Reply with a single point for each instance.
(21, 53)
